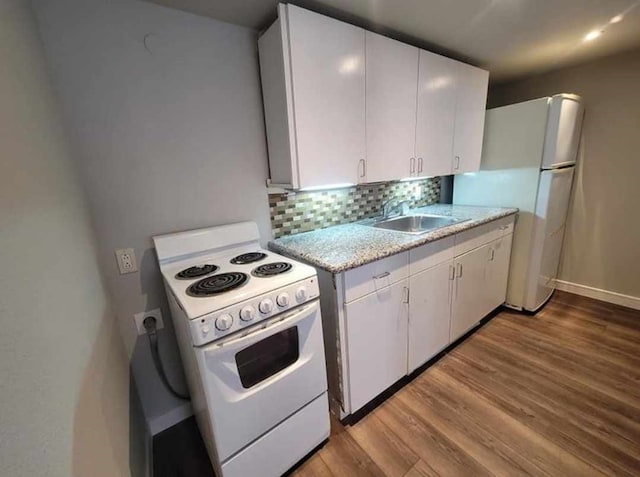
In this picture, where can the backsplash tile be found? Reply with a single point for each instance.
(296, 212)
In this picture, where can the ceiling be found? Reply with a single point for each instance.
(511, 38)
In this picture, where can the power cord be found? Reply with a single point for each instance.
(149, 324)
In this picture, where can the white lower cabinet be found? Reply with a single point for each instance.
(469, 296)
(480, 284)
(429, 313)
(376, 329)
(395, 314)
(498, 272)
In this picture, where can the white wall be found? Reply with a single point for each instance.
(64, 381)
(603, 231)
(168, 139)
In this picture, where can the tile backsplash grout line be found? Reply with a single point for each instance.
(296, 212)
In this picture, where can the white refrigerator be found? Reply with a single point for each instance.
(528, 161)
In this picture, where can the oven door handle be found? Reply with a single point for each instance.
(271, 327)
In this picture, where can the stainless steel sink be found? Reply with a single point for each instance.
(415, 224)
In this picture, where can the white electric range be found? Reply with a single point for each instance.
(250, 335)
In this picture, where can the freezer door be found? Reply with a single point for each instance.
(563, 131)
(548, 233)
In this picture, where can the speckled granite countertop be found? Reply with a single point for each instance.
(343, 247)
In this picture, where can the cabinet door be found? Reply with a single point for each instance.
(327, 69)
(392, 76)
(469, 291)
(471, 101)
(435, 115)
(429, 312)
(498, 272)
(377, 342)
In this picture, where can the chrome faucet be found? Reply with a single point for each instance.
(393, 205)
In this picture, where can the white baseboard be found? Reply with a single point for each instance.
(165, 421)
(599, 294)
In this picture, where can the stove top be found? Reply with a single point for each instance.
(206, 283)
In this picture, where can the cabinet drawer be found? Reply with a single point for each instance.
(430, 254)
(373, 276)
(506, 225)
(476, 237)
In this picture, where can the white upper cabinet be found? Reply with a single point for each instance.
(328, 67)
(313, 76)
(435, 115)
(335, 115)
(391, 76)
(471, 101)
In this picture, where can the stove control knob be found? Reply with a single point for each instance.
(248, 313)
(205, 330)
(224, 322)
(266, 306)
(301, 294)
(282, 300)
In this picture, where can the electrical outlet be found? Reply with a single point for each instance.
(139, 319)
(126, 258)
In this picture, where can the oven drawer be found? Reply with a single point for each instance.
(278, 450)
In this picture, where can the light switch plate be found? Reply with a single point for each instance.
(139, 319)
(126, 258)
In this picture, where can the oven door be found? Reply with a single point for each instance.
(256, 380)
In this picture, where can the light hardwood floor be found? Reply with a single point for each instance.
(557, 393)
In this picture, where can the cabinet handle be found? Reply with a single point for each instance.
(382, 275)
(459, 269)
(493, 253)
(412, 165)
(406, 294)
(363, 163)
(419, 164)
(457, 166)
(452, 272)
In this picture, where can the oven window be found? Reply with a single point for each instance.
(265, 358)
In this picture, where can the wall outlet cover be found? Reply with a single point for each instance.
(139, 318)
(126, 258)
